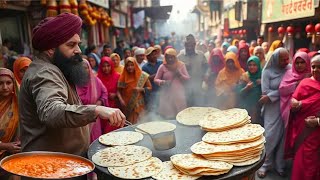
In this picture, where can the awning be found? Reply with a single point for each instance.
(156, 12)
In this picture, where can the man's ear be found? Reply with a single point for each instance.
(50, 52)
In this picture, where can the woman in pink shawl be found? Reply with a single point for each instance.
(109, 78)
(243, 55)
(93, 93)
(300, 69)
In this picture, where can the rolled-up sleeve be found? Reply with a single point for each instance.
(51, 94)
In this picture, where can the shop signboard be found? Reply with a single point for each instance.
(281, 10)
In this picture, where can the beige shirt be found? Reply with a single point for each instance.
(51, 115)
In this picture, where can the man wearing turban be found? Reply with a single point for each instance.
(51, 115)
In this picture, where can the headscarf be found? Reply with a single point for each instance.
(260, 49)
(109, 80)
(125, 76)
(92, 55)
(218, 53)
(20, 63)
(254, 77)
(54, 31)
(9, 105)
(227, 78)
(289, 84)
(225, 44)
(91, 92)
(177, 63)
(273, 63)
(312, 54)
(118, 69)
(234, 42)
(243, 62)
(275, 45)
(306, 50)
(233, 49)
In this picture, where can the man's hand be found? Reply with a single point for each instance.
(249, 85)
(115, 116)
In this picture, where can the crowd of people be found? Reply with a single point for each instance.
(281, 96)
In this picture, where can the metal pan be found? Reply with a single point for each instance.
(161, 141)
(24, 154)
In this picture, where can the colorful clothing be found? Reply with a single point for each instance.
(273, 123)
(90, 94)
(20, 63)
(172, 95)
(306, 164)
(120, 67)
(289, 83)
(9, 113)
(275, 45)
(226, 82)
(249, 99)
(134, 100)
(243, 61)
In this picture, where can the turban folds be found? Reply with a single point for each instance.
(54, 31)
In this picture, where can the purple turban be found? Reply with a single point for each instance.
(54, 31)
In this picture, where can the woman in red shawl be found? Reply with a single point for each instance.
(109, 78)
(216, 64)
(302, 140)
(93, 93)
(243, 55)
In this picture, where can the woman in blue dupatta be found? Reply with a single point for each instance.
(249, 89)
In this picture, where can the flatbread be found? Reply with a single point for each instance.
(156, 127)
(192, 115)
(205, 148)
(208, 127)
(191, 161)
(139, 170)
(246, 133)
(248, 162)
(121, 155)
(120, 138)
(223, 119)
(169, 172)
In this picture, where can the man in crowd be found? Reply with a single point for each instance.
(119, 48)
(260, 40)
(211, 46)
(140, 55)
(106, 51)
(126, 53)
(151, 67)
(51, 115)
(196, 65)
(159, 52)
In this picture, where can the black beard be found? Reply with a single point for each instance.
(72, 68)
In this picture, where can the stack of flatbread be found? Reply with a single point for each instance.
(128, 162)
(225, 120)
(195, 165)
(239, 146)
(192, 115)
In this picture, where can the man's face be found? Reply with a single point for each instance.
(152, 57)
(259, 41)
(107, 51)
(140, 58)
(67, 57)
(190, 46)
(127, 53)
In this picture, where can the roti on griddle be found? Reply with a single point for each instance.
(121, 155)
(120, 138)
(156, 127)
(140, 170)
(192, 115)
(169, 172)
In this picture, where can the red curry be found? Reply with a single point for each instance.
(47, 166)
